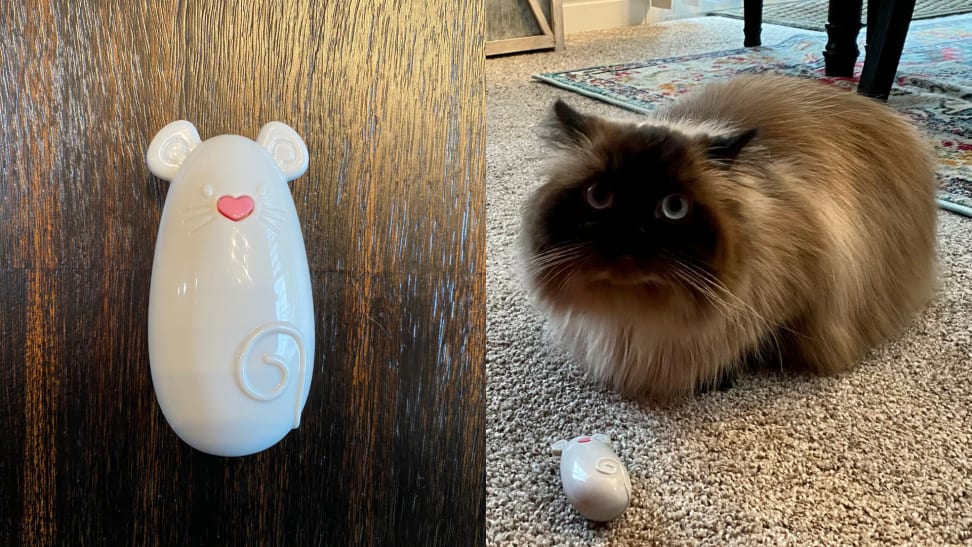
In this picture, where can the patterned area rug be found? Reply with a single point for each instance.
(933, 88)
(812, 15)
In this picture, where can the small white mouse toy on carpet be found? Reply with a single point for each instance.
(595, 481)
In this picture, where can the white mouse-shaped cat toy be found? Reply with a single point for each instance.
(595, 481)
(231, 314)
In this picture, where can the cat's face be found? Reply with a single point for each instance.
(631, 213)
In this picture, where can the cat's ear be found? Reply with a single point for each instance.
(725, 149)
(568, 127)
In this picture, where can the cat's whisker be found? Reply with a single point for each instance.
(548, 261)
(711, 281)
(561, 274)
(749, 308)
(772, 332)
(715, 288)
(564, 280)
(557, 266)
(558, 251)
(767, 325)
(728, 299)
(714, 291)
(697, 285)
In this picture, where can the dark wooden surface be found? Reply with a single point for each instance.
(389, 99)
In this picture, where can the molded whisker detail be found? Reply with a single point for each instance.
(268, 207)
(202, 224)
(199, 213)
(269, 224)
(272, 216)
(191, 217)
(273, 212)
(195, 209)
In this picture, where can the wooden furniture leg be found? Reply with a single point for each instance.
(753, 18)
(888, 22)
(844, 23)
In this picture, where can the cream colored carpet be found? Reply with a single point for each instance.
(879, 456)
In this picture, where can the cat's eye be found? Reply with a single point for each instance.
(207, 191)
(674, 207)
(599, 196)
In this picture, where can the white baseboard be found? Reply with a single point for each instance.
(602, 14)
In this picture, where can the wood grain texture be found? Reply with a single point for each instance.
(389, 99)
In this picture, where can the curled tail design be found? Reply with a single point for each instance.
(243, 354)
(608, 466)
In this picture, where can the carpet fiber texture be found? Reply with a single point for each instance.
(881, 455)
(812, 14)
(934, 86)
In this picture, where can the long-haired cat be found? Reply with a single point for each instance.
(763, 217)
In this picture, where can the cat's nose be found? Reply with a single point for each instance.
(235, 208)
(644, 232)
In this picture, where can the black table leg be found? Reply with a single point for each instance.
(873, 7)
(886, 36)
(844, 23)
(753, 19)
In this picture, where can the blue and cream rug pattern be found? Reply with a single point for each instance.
(933, 86)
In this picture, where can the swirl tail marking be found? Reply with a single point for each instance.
(243, 354)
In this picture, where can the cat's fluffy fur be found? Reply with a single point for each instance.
(812, 237)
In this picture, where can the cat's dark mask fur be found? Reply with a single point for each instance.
(632, 201)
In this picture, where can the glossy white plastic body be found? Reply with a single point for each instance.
(231, 318)
(595, 481)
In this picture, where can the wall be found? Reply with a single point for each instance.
(584, 15)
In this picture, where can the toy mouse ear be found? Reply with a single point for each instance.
(602, 437)
(170, 147)
(558, 447)
(286, 147)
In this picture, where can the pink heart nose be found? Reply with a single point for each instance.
(235, 209)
